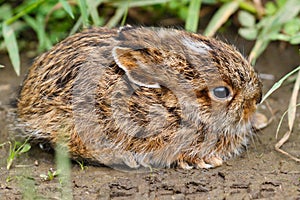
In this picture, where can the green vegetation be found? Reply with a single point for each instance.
(280, 22)
(51, 174)
(279, 83)
(16, 150)
(81, 164)
(52, 20)
(63, 164)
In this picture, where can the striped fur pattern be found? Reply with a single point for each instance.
(141, 97)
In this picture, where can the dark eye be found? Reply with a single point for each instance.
(221, 92)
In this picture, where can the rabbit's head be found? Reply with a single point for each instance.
(215, 86)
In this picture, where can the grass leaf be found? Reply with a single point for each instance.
(84, 13)
(248, 33)
(259, 46)
(288, 11)
(292, 27)
(12, 46)
(6, 11)
(281, 120)
(192, 20)
(93, 10)
(138, 3)
(295, 39)
(63, 166)
(285, 136)
(278, 84)
(39, 27)
(293, 102)
(246, 19)
(220, 17)
(67, 7)
(25, 148)
(24, 11)
(76, 26)
(117, 16)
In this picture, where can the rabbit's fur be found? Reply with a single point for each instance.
(142, 97)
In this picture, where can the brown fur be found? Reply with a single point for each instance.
(141, 97)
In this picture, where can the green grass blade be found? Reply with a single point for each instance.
(12, 46)
(76, 26)
(84, 13)
(23, 12)
(279, 83)
(293, 103)
(67, 7)
(193, 16)
(117, 16)
(248, 6)
(64, 168)
(287, 12)
(25, 148)
(125, 15)
(220, 17)
(11, 156)
(295, 39)
(38, 26)
(92, 7)
(43, 36)
(63, 164)
(259, 46)
(281, 120)
(139, 3)
(28, 186)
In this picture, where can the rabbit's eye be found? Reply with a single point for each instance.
(221, 92)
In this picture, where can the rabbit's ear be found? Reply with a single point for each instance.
(138, 66)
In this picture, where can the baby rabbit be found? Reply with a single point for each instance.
(142, 97)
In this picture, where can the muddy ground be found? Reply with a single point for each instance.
(259, 173)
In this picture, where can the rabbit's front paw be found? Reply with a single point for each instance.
(201, 163)
(211, 162)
